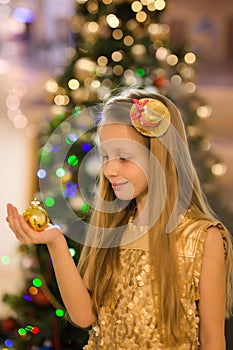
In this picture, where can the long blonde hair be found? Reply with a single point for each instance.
(103, 263)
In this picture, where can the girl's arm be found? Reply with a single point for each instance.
(72, 288)
(212, 293)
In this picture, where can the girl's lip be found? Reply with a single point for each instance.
(115, 185)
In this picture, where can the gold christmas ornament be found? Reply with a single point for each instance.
(36, 217)
(150, 117)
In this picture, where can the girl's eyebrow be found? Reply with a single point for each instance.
(118, 149)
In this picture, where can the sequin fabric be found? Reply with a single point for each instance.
(131, 322)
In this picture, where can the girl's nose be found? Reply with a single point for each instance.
(110, 168)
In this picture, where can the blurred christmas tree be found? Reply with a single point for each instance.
(116, 44)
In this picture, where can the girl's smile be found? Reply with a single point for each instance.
(118, 186)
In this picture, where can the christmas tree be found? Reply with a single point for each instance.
(116, 44)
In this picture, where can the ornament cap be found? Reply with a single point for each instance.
(35, 203)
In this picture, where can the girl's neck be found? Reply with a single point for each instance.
(141, 217)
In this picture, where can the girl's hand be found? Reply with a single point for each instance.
(25, 234)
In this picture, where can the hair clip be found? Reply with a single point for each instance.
(150, 117)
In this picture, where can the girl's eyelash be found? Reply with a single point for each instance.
(122, 158)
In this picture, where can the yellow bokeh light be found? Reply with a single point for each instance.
(204, 111)
(160, 5)
(190, 87)
(190, 57)
(92, 27)
(107, 83)
(131, 81)
(132, 24)
(158, 29)
(187, 72)
(161, 53)
(193, 131)
(141, 16)
(88, 81)
(70, 52)
(92, 7)
(138, 50)
(107, 2)
(101, 70)
(219, 169)
(117, 34)
(83, 65)
(112, 21)
(51, 86)
(205, 145)
(117, 56)
(73, 84)
(118, 70)
(136, 6)
(145, 2)
(176, 79)
(172, 60)
(128, 73)
(151, 6)
(61, 100)
(95, 84)
(102, 61)
(128, 40)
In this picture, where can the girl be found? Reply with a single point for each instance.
(156, 270)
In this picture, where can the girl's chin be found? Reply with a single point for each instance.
(123, 196)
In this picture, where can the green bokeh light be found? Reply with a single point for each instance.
(5, 260)
(49, 201)
(85, 207)
(140, 72)
(73, 160)
(59, 313)
(22, 331)
(37, 282)
(72, 251)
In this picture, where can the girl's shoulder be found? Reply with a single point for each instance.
(192, 231)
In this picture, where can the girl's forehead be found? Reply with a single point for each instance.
(116, 131)
(122, 138)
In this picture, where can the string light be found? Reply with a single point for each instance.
(73, 84)
(59, 313)
(141, 16)
(190, 87)
(172, 60)
(136, 6)
(190, 57)
(128, 40)
(219, 169)
(204, 111)
(160, 5)
(117, 34)
(112, 21)
(37, 282)
(49, 202)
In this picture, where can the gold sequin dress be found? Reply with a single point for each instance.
(131, 323)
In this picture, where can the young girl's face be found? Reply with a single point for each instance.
(125, 161)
